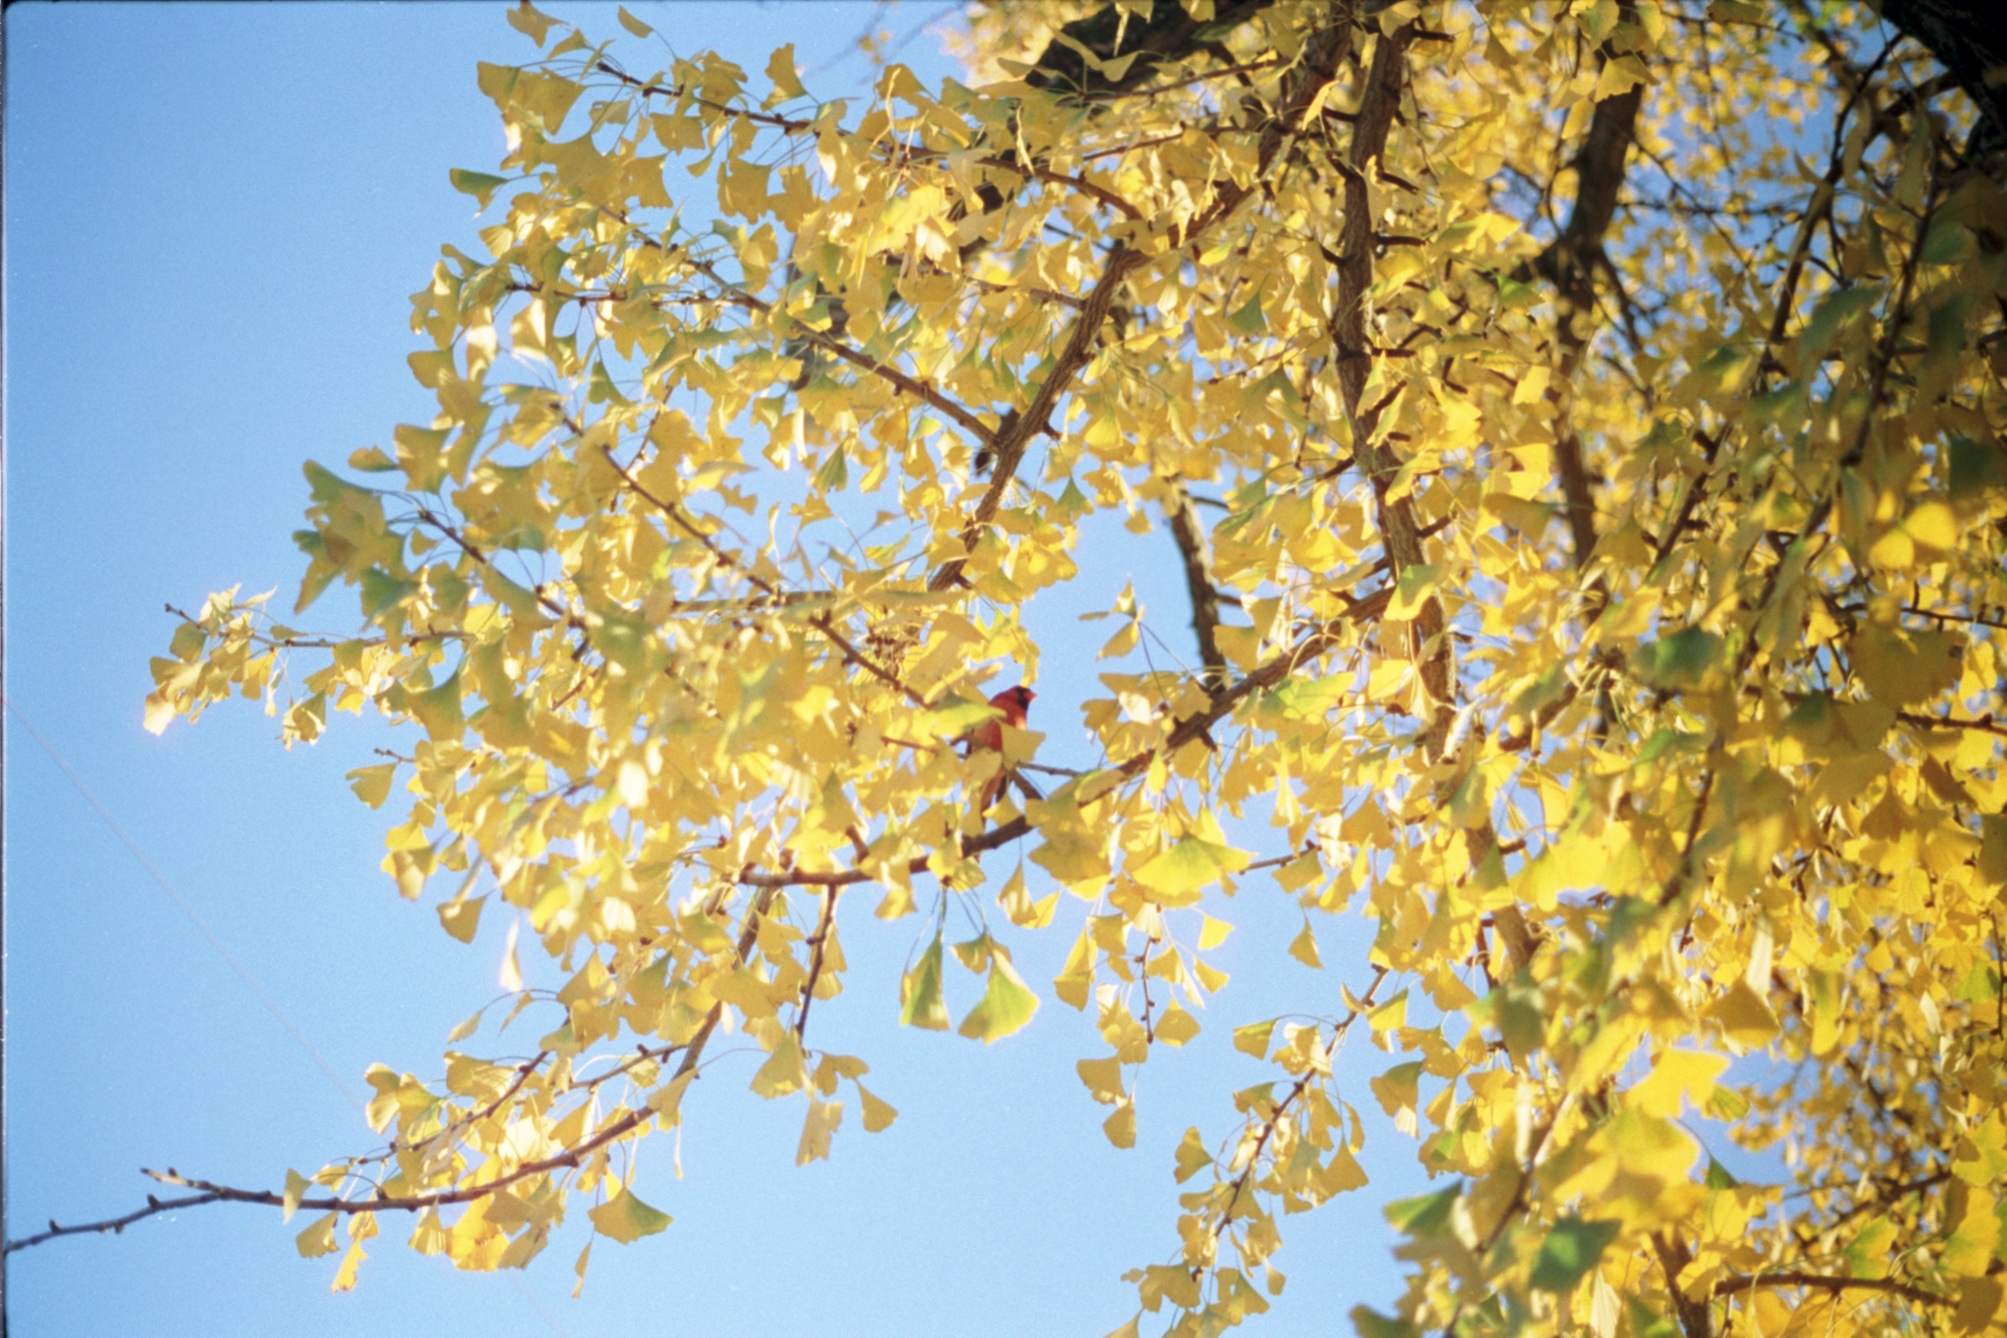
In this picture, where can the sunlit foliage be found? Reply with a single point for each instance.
(1595, 549)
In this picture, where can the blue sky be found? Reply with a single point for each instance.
(214, 216)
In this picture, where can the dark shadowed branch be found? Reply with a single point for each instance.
(1197, 552)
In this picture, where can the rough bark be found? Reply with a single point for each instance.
(1696, 1320)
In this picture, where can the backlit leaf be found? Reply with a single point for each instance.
(627, 1219)
(921, 1002)
(1006, 1006)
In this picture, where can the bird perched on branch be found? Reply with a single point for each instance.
(1015, 704)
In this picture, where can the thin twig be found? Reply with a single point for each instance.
(566, 1160)
(113, 1224)
(1791, 1278)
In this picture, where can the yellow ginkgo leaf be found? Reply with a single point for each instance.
(627, 1219)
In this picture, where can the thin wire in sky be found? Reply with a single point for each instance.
(539, 1306)
(223, 951)
(243, 974)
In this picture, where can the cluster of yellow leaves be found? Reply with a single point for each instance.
(1726, 783)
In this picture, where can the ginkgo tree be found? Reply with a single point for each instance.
(1578, 429)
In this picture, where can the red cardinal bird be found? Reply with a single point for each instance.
(1015, 703)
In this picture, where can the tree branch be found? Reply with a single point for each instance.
(1186, 731)
(1197, 551)
(568, 1159)
(900, 153)
(113, 1224)
(818, 947)
(1984, 724)
(1318, 66)
(1274, 1120)
(822, 622)
(1570, 263)
(1789, 1278)
(962, 417)
(1967, 38)
(1400, 535)
(1350, 326)
(1695, 1318)
(1006, 446)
